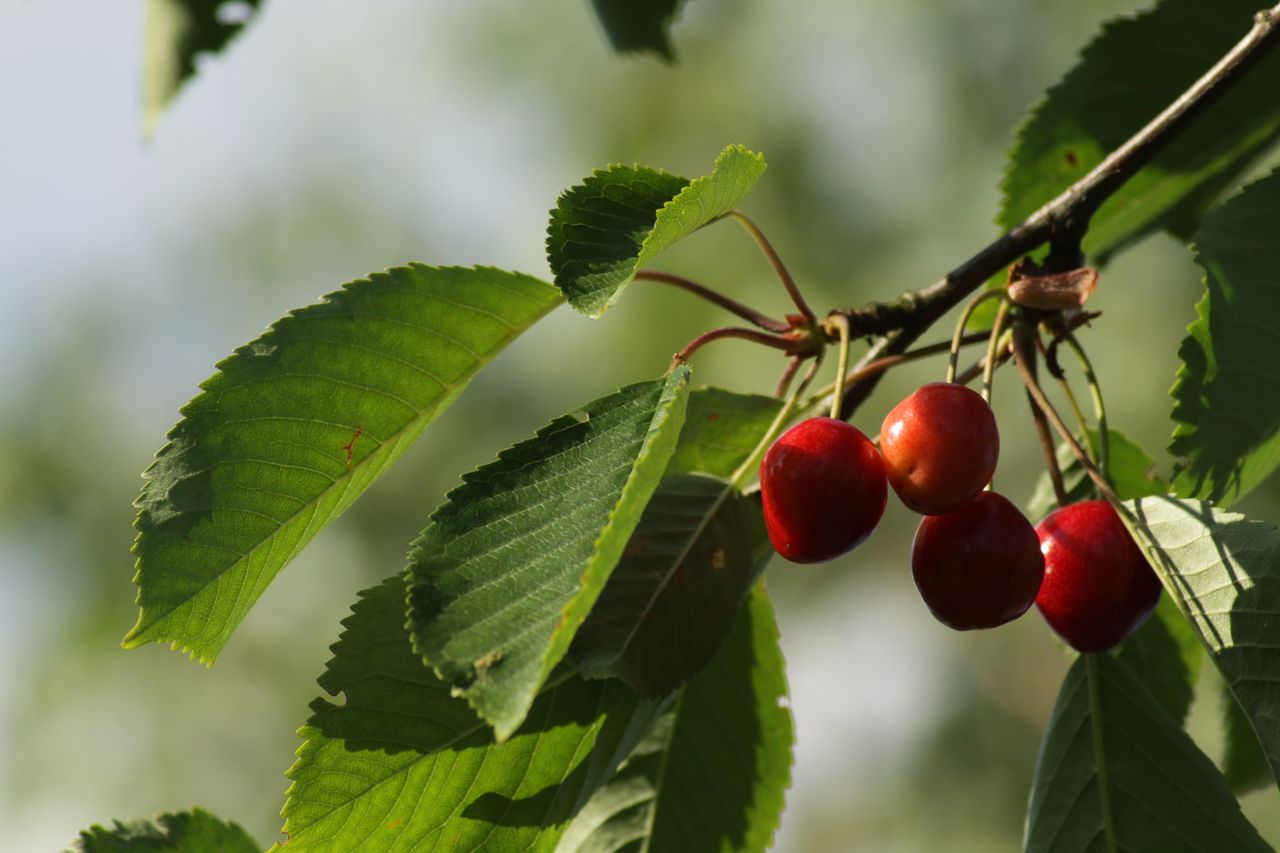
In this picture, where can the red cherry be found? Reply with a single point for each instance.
(940, 447)
(823, 487)
(1097, 587)
(978, 566)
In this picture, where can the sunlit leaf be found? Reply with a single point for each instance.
(195, 831)
(721, 428)
(712, 774)
(619, 219)
(296, 425)
(1125, 77)
(1116, 772)
(510, 566)
(1227, 396)
(178, 32)
(401, 764)
(1224, 570)
(636, 25)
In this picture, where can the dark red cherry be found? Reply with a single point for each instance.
(978, 566)
(823, 489)
(940, 447)
(1097, 587)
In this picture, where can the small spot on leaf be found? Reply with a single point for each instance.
(718, 559)
(350, 446)
(484, 664)
(1072, 159)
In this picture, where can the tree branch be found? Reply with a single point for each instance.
(1062, 220)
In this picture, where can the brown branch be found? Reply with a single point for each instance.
(1063, 220)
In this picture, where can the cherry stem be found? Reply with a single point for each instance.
(1024, 355)
(1050, 354)
(993, 342)
(715, 297)
(1027, 366)
(841, 323)
(882, 364)
(784, 415)
(779, 268)
(787, 375)
(763, 338)
(960, 327)
(1099, 408)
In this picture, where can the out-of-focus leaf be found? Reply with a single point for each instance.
(1116, 772)
(1134, 69)
(1227, 395)
(402, 764)
(196, 831)
(713, 772)
(179, 31)
(636, 25)
(1223, 570)
(605, 229)
(509, 567)
(296, 425)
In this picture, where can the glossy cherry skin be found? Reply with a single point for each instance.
(1098, 587)
(823, 489)
(978, 566)
(940, 447)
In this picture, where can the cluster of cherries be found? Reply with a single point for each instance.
(976, 559)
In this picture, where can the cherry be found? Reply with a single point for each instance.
(1097, 587)
(823, 487)
(978, 566)
(940, 447)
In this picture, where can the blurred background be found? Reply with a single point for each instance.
(334, 139)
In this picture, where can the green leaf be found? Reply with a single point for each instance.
(402, 764)
(619, 219)
(1165, 654)
(712, 774)
(721, 428)
(698, 548)
(195, 831)
(177, 32)
(512, 563)
(1224, 571)
(675, 593)
(1227, 395)
(1243, 761)
(636, 25)
(1116, 772)
(296, 425)
(1130, 471)
(1126, 76)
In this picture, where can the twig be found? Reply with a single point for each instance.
(1023, 352)
(733, 306)
(1064, 218)
(1025, 340)
(775, 261)
(790, 346)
